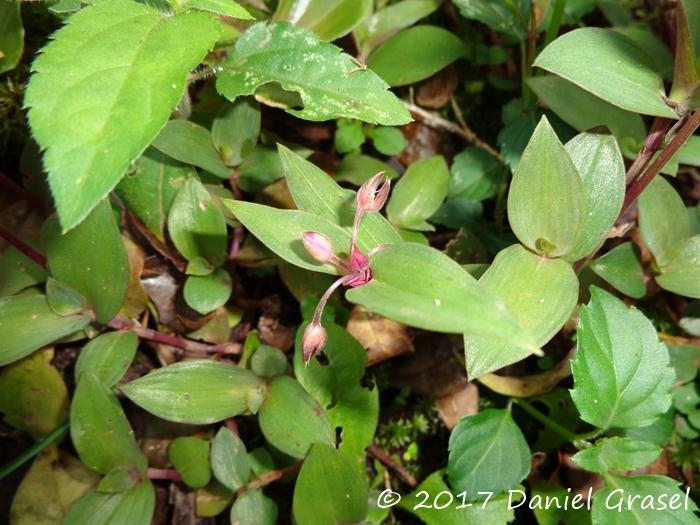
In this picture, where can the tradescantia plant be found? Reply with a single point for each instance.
(178, 143)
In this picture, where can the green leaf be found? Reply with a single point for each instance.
(686, 78)
(352, 409)
(487, 453)
(291, 420)
(235, 130)
(11, 35)
(431, 48)
(609, 65)
(419, 193)
(134, 507)
(119, 479)
(92, 259)
(474, 175)
(197, 392)
(264, 221)
(206, 293)
(349, 136)
(621, 373)
(547, 200)
(33, 395)
(541, 292)
(102, 90)
(622, 268)
(682, 274)
(575, 513)
(229, 459)
(190, 457)
(220, 7)
(663, 221)
(315, 192)
(28, 323)
(498, 509)
(500, 15)
(357, 168)
(598, 160)
(196, 224)
(192, 144)
(329, 19)
(63, 299)
(616, 453)
(254, 508)
(18, 272)
(387, 21)
(387, 141)
(420, 286)
(268, 361)
(330, 489)
(640, 500)
(99, 429)
(328, 81)
(149, 189)
(583, 111)
(108, 356)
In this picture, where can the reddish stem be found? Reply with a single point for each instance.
(269, 477)
(23, 247)
(167, 474)
(385, 458)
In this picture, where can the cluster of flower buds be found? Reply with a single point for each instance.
(355, 269)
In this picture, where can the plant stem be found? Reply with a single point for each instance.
(385, 458)
(545, 420)
(34, 450)
(168, 474)
(554, 21)
(23, 247)
(270, 476)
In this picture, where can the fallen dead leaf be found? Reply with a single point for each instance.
(383, 338)
(461, 402)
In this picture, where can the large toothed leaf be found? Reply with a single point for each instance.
(103, 89)
(609, 65)
(328, 82)
(420, 286)
(622, 376)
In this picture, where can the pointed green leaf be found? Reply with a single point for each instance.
(235, 130)
(420, 286)
(598, 160)
(133, 507)
(686, 78)
(541, 293)
(487, 453)
(100, 431)
(328, 81)
(92, 259)
(197, 392)
(474, 175)
(254, 508)
(640, 500)
(11, 35)
(108, 356)
(33, 395)
(229, 459)
(103, 89)
(206, 293)
(622, 376)
(291, 420)
(609, 65)
(196, 224)
(330, 489)
(419, 193)
(220, 7)
(616, 453)
(547, 203)
(192, 144)
(431, 48)
(315, 192)
(27, 323)
(264, 221)
(63, 299)
(18, 272)
(622, 268)
(190, 456)
(329, 19)
(500, 15)
(663, 221)
(682, 274)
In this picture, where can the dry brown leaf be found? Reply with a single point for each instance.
(461, 402)
(436, 91)
(383, 338)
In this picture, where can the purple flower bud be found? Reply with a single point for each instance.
(319, 246)
(371, 196)
(312, 342)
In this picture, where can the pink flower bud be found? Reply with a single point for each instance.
(371, 196)
(312, 342)
(319, 246)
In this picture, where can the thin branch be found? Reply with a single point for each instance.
(270, 476)
(168, 474)
(23, 247)
(385, 458)
(435, 121)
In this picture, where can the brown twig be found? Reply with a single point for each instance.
(385, 458)
(270, 476)
(433, 120)
(23, 247)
